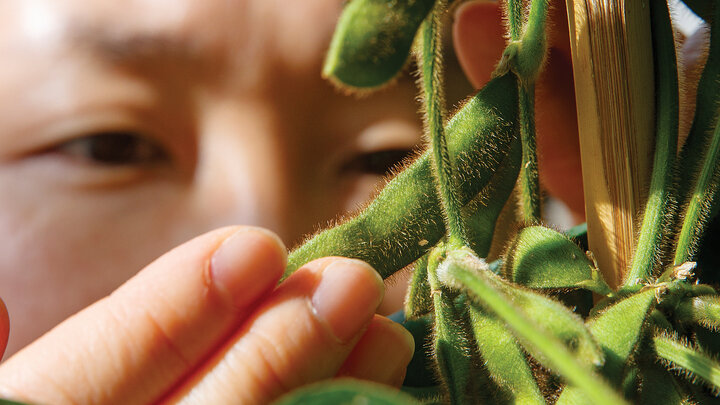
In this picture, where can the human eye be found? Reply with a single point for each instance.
(113, 148)
(382, 148)
(380, 162)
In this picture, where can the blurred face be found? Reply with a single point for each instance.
(127, 127)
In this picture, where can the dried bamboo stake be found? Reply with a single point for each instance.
(612, 64)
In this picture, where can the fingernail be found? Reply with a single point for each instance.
(347, 297)
(247, 264)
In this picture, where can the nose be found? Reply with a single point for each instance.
(240, 176)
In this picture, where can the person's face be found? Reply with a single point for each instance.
(127, 127)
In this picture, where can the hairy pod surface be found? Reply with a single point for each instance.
(405, 220)
(503, 358)
(541, 257)
(372, 41)
(481, 213)
(418, 301)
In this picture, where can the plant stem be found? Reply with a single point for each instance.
(666, 124)
(701, 202)
(434, 100)
(529, 44)
(529, 177)
(562, 360)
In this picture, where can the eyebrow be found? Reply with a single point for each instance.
(121, 47)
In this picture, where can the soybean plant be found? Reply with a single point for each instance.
(540, 324)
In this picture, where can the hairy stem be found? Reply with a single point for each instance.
(434, 100)
(667, 111)
(525, 56)
(701, 201)
(529, 177)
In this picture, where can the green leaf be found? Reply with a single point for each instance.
(503, 358)
(347, 392)
(372, 41)
(693, 363)
(541, 257)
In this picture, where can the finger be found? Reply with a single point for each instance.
(134, 345)
(478, 38)
(382, 354)
(302, 334)
(4, 328)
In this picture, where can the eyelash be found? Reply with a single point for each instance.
(115, 148)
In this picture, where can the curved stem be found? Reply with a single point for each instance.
(667, 112)
(434, 100)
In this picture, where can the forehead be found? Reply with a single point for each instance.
(241, 30)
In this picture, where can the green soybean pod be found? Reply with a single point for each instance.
(503, 358)
(481, 214)
(418, 301)
(450, 344)
(541, 257)
(618, 329)
(703, 310)
(372, 41)
(405, 220)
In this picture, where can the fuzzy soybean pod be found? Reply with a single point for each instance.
(618, 330)
(418, 301)
(450, 344)
(703, 310)
(406, 219)
(692, 362)
(372, 41)
(503, 358)
(541, 257)
(481, 214)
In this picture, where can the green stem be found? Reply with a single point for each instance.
(434, 98)
(525, 56)
(667, 112)
(691, 360)
(529, 177)
(700, 204)
(478, 282)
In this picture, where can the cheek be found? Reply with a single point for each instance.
(59, 251)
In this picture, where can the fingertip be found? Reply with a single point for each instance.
(478, 39)
(347, 296)
(247, 263)
(382, 354)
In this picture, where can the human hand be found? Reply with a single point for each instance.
(207, 323)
